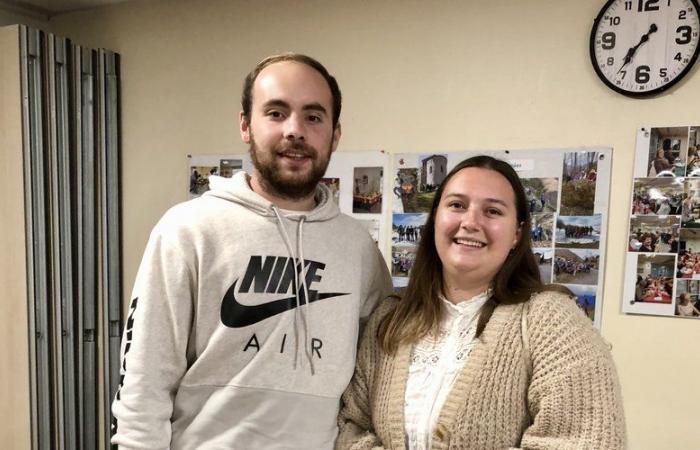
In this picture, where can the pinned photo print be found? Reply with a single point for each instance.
(668, 151)
(406, 229)
(541, 229)
(576, 266)
(654, 279)
(199, 179)
(692, 168)
(367, 190)
(688, 298)
(580, 173)
(690, 205)
(657, 196)
(541, 193)
(334, 185)
(543, 256)
(654, 234)
(585, 298)
(578, 231)
(406, 190)
(402, 259)
(688, 266)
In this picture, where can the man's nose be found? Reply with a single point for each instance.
(294, 128)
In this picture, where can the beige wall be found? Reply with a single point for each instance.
(416, 76)
(14, 343)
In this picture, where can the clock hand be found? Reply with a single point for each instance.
(630, 53)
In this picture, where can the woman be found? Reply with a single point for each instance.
(478, 353)
(661, 163)
(685, 307)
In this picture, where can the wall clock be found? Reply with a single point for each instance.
(643, 47)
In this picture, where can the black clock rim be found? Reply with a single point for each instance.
(637, 94)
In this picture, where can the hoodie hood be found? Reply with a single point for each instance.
(237, 189)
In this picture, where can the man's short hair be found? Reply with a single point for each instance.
(247, 96)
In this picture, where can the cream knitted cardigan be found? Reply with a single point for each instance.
(571, 400)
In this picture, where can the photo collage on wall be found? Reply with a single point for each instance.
(417, 177)
(567, 197)
(663, 244)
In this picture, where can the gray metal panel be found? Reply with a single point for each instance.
(65, 226)
(87, 257)
(35, 207)
(55, 247)
(111, 220)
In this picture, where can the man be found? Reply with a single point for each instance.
(243, 328)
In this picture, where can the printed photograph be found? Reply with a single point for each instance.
(688, 298)
(668, 151)
(227, 167)
(402, 259)
(579, 181)
(690, 205)
(406, 229)
(199, 179)
(578, 231)
(334, 185)
(541, 229)
(585, 298)
(576, 266)
(654, 278)
(367, 190)
(688, 266)
(692, 168)
(657, 196)
(543, 256)
(654, 234)
(406, 190)
(541, 194)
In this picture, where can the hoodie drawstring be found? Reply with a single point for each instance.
(298, 270)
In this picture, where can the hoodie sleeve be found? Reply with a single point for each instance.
(154, 344)
(380, 286)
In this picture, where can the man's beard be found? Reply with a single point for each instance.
(297, 186)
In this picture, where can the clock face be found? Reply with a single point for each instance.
(642, 47)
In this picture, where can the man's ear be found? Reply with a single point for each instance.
(336, 137)
(244, 127)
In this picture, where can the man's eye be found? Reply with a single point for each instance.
(315, 119)
(274, 114)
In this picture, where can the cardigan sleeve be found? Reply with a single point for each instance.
(356, 430)
(574, 394)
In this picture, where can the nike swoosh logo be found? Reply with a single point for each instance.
(236, 315)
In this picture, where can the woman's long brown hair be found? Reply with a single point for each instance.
(418, 312)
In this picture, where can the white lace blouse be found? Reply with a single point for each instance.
(435, 364)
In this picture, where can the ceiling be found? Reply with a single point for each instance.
(45, 9)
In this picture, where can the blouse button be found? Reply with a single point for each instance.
(441, 431)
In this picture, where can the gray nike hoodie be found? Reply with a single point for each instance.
(221, 349)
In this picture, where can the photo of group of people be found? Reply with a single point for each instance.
(664, 240)
(673, 152)
(406, 232)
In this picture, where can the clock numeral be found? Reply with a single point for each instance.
(647, 5)
(611, 61)
(608, 40)
(678, 56)
(628, 6)
(623, 72)
(614, 20)
(682, 14)
(641, 75)
(663, 72)
(686, 32)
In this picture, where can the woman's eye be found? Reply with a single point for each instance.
(494, 212)
(457, 205)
